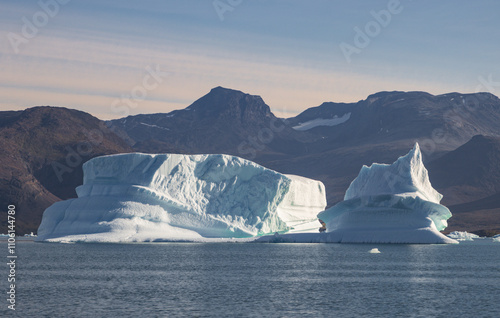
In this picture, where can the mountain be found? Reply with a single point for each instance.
(469, 179)
(470, 172)
(329, 143)
(44, 149)
(441, 122)
(223, 121)
(481, 216)
(384, 126)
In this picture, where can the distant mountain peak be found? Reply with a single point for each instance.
(480, 95)
(387, 96)
(482, 144)
(384, 94)
(478, 138)
(225, 89)
(222, 100)
(228, 92)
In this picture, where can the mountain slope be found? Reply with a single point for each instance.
(223, 121)
(384, 126)
(329, 142)
(441, 123)
(44, 149)
(469, 179)
(469, 173)
(46, 146)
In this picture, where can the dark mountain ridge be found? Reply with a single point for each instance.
(449, 120)
(47, 145)
(469, 179)
(223, 121)
(45, 148)
(470, 172)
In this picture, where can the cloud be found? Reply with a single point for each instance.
(89, 74)
(88, 67)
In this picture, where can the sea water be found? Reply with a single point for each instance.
(255, 280)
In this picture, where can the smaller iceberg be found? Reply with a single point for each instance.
(389, 204)
(463, 236)
(496, 238)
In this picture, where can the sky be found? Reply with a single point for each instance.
(117, 58)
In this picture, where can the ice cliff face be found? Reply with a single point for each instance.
(389, 204)
(142, 197)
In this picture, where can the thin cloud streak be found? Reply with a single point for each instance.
(81, 58)
(68, 69)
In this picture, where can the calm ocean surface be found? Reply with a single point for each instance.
(255, 280)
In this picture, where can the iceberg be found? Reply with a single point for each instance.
(463, 236)
(170, 197)
(389, 204)
(496, 238)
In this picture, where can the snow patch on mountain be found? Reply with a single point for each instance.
(323, 122)
(154, 126)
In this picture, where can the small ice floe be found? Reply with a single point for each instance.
(66, 242)
(374, 251)
(463, 236)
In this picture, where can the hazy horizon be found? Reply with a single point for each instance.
(92, 55)
(121, 112)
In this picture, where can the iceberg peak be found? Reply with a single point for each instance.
(407, 176)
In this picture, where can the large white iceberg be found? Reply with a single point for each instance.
(389, 204)
(146, 197)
